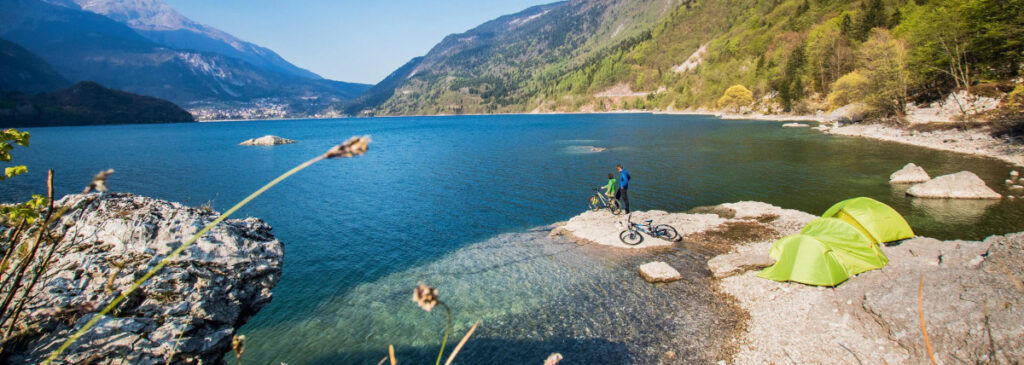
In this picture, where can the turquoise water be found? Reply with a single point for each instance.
(460, 203)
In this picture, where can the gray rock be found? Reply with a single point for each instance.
(208, 291)
(961, 185)
(267, 140)
(659, 271)
(910, 173)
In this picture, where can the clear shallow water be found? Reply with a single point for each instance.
(453, 201)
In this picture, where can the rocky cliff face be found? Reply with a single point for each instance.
(190, 308)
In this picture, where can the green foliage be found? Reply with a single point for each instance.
(9, 138)
(736, 97)
(872, 16)
(29, 211)
(884, 60)
(852, 87)
(792, 52)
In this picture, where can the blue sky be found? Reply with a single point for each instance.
(356, 41)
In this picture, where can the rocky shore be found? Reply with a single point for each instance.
(972, 142)
(972, 292)
(190, 309)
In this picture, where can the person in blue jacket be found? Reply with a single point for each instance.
(622, 194)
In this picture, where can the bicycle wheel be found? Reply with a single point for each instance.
(666, 232)
(631, 237)
(613, 205)
(594, 203)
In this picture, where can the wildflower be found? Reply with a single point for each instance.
(238, 345)
(99, 182)
(425, 297)
(354, 146)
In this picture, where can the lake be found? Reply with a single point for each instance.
(461, 203)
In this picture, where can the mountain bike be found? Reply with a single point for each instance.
(632, 234)
(599, 201)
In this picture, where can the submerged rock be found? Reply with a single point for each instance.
(910, 173)
(961, 185)
(795, 125)
(197, 301)
(659, 272)
(267, 140)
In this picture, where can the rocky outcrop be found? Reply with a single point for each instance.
(659, 272)
(973, 297)
(961, 185)
(909, 174)
(267, 140)
(191, 307)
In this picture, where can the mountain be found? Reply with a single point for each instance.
(160, 23)
(20, 70)
(498, 66)
(83, 45)
(85, 103)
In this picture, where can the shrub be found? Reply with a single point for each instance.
(852, 87)
(736, 97)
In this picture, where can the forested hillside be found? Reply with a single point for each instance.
(800, 56)
(502, 65)
(808, 55)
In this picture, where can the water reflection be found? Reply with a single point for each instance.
(954, 211)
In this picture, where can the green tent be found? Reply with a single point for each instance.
(805, 259)
(876, 220)
(841, 244)
(855, 251)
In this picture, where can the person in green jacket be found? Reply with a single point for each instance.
(609, 189)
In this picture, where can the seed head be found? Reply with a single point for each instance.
(238, 345)
(425, 297)
(99, 182)
(354, 146)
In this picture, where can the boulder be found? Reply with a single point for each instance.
(1014, 174)
(909, 174)
(267, 140)
(795, 125)
(659, 271)
(961, 185)
(197, 301)
(1016, 187)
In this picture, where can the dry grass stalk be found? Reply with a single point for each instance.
(461, 343)
(920, 315)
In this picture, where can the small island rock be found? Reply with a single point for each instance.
(961, 185)
(909, 174)
(659, 271)
(267, 140)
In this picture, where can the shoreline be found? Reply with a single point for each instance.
(972, 142)
(871, 318)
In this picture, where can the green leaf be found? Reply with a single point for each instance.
(13, 171)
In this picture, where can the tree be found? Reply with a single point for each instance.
(850, 88)
(884, 64)
(872, 16)
(941, 42)
(736, 97)
(828, 54)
